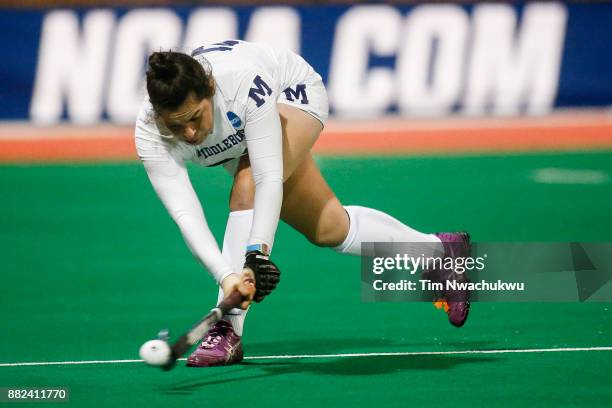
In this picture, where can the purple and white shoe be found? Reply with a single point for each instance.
(456, 303)
(220, 346)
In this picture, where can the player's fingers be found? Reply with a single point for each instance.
(247, 289)
(248, 275)
(247, 292)
(248, 280)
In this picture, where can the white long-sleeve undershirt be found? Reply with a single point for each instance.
(172, 185)
(168, 175)
(265, 147)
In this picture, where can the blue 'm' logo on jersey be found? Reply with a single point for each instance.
(261, 89)
(234, 119)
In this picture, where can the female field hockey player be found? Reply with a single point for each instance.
(257, 111)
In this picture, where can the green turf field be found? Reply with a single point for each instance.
(92, 266)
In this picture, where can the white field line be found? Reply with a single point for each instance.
(569, 176)
(341, 355)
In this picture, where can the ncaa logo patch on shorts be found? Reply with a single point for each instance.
(234, 119)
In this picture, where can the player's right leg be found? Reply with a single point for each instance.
(222, 345)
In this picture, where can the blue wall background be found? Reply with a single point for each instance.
(585, 77)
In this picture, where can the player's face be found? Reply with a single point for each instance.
(191, 122)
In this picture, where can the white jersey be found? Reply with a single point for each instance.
(249, 79)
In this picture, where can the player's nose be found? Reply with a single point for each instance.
(190, 133)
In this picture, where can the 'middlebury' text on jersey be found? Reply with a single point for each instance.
(248, 77)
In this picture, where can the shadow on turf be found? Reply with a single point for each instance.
(353, 366)
(345, 345)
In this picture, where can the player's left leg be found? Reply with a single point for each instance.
(311, 207)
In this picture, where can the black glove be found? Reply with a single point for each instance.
(266, 273)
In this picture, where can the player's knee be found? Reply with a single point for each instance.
(242, 195)
(326, 238)
(331, 230)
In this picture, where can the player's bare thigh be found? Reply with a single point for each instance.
(311, 207)
(309, 204)
(300, 132)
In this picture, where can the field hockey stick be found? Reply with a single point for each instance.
(193, 336)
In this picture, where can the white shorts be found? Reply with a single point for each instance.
(309, 96)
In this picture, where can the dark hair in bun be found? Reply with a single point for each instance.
(171, 76)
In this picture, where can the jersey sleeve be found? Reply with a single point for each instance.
(264, 143)
(170, 180)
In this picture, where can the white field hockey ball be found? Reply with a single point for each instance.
(155, 352)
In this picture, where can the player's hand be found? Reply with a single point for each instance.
(245, 284)
(265, 272)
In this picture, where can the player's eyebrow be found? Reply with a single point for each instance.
(196, 113)
(188, 116)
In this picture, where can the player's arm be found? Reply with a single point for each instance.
(264, 143)
(170, 180)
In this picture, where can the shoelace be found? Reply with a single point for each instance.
(211, 341)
